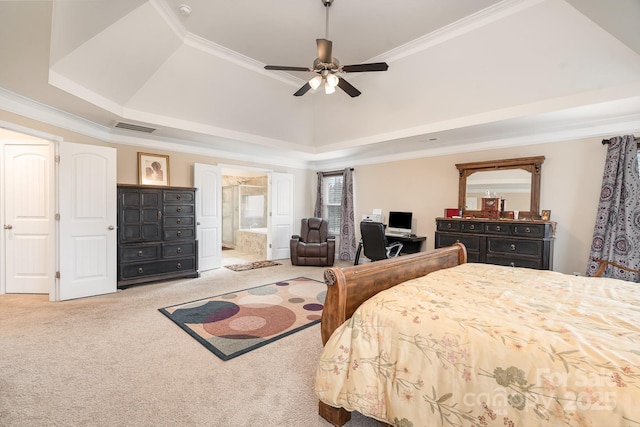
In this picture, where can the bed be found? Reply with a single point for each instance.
(430, 340)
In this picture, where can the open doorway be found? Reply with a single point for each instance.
(245, 211)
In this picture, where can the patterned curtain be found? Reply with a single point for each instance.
(347, 249)
(317, 212)
(616, 235)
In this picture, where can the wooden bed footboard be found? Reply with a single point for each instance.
(348, 288)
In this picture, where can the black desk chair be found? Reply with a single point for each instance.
(374, 242)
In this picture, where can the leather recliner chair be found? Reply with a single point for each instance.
(314, 246)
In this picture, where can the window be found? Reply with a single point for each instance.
(332, 198)
(253, 206)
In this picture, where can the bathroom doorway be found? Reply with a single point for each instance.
(245, 210)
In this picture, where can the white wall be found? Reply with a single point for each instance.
(571, 178)
(570, 188)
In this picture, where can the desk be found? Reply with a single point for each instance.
(410, 245)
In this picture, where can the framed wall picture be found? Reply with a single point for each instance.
(153, 169)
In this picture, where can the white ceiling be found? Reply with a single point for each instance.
(463, 74)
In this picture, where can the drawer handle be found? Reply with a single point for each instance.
(179, 196)
(140, 270)
(512, 247)
(179, 266)
(179, 250)
(527, 230)
(179, 233)
(179, 209)
(139, 253)
(512, 264)
(179, 220)
(473, 227)
(458, 241)
(498, 228)
(449, 225)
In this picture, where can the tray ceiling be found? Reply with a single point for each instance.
(463, 74)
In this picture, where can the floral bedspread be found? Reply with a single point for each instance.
(485, 345)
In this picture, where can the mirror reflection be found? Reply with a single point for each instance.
(511, 185)
(505, 188)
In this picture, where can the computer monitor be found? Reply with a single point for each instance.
(399, 222)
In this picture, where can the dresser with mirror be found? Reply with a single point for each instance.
(500, 221)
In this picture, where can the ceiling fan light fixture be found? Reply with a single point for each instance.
(332, 80)
(328, 89)
(184, 9)
(326, 66)
(315, 82)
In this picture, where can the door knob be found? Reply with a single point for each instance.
(111, 227)
(8, 226)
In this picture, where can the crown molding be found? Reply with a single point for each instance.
(479, 19)
(214, 49)
(462, 26)
(20, 105)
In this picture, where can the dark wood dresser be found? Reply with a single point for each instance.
(156, 234)
(503, 242)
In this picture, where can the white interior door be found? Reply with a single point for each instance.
(280, 228)
(208, 181)
(88, 218)
(29, 211)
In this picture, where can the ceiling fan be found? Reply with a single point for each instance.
(327, 67)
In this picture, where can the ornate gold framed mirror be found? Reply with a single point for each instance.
(512, 183)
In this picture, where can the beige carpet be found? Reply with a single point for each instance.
(115, 360)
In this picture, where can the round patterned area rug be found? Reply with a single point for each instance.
(232, 324)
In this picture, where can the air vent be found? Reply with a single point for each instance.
(135, 128)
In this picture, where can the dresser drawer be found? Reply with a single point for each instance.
(140, 269)
(175, 250)
(179, 233)
(514, 262)
(144, 269)
(171, 210)
(529, 230)
(139, 253)
(497, 228)
(178, 265)
(178, 221)
(472, 243)
(176, 196)
(448, 225)
(532, 248)
(472, 227)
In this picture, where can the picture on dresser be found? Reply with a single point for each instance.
(546, 215)
(153, 169)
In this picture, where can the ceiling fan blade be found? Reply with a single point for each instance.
(286, 68)
(324, 50)
(304, 89)
(348, 87)
(358, 68)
